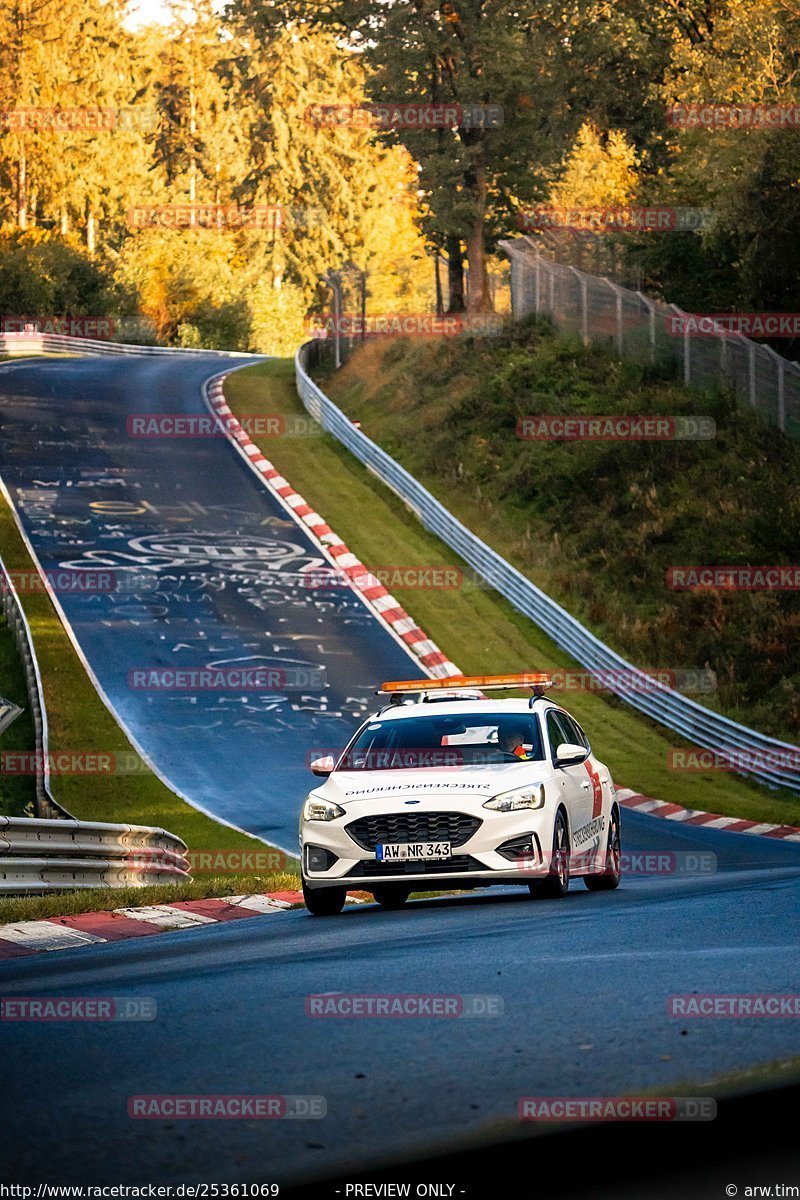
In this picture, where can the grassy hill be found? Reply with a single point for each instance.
(597, 524)
(476, 627)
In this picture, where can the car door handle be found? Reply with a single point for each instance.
(585, 786)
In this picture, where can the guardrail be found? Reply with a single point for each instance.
(699, 725)
(56, 343)
(54, 851)
(14, 613)
(55, 856)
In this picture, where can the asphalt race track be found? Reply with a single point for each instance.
(208, 570)
(583, 984)
(579, 987)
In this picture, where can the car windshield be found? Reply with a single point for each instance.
(441, 740)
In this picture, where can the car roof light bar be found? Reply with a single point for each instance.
(535, 680)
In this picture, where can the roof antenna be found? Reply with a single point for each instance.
(538, 690)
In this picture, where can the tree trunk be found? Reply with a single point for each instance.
(455, 273)
(476, 187)
(278, 260)
(22, 188)
(91, 230)
(193, 151)
(478, 299)
(437, 268)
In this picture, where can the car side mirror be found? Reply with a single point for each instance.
(569, 753)
(323, 766)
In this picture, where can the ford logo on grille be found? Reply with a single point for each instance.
(412, 801)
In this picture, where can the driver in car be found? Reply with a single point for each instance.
(512, 741)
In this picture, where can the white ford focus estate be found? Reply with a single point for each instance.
(444, 789)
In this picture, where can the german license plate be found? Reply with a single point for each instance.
(411, 851)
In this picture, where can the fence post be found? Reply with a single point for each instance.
(781, 365)
(751, 346)
(651, 322)
(582, 284)
(619, 336)
(687, 360)
(519, 288)
(538, 285)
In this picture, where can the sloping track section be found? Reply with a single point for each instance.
(206, 570)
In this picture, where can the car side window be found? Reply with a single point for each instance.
(576, 734)
(557, 735)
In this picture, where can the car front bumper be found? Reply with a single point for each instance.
(474, 861)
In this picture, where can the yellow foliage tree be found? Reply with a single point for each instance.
(600, 171)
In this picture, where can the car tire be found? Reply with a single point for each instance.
(324, 902)
(611, 874)
(556, 884)
(391, 896)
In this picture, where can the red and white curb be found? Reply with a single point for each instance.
(22, 938)
(695, 816)
(381, 602)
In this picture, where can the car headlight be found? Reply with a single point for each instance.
(531, 796)
(317, 809)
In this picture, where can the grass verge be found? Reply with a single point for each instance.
(66, 904)
(477, 628)
(17, 792)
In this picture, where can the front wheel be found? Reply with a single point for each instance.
(609, 877)
(556, 885)
(324, 902)
(391, 896)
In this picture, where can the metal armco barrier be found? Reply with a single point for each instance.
(14, 613)
(772, 762)
(56, 343)
(55, 856)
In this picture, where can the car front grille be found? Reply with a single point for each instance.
(453, 827)
(461, 864)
